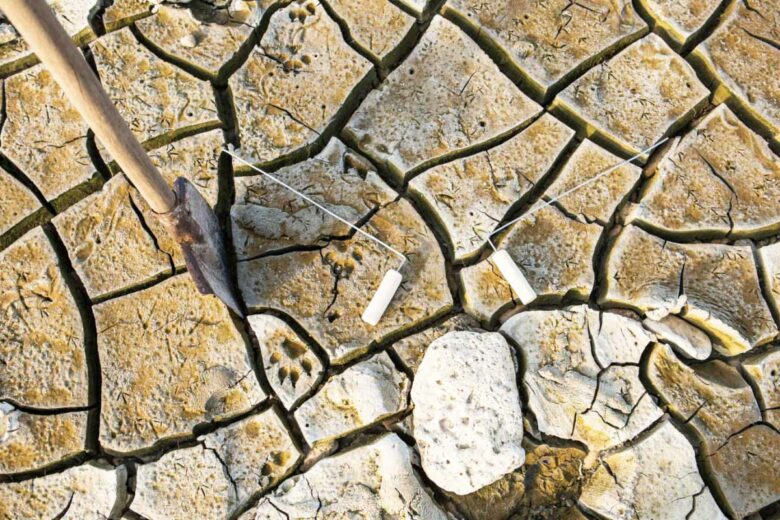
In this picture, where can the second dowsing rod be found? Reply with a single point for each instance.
(392, 279)
(504, 263)
(500, 258)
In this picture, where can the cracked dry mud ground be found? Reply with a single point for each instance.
(643, 383)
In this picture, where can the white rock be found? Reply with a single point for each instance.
(358, 397)
(655, 478)
(373, 481)
(684, 337)
(467, 418)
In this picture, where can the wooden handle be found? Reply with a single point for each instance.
(39, 27)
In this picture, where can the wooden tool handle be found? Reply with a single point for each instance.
(39, 27)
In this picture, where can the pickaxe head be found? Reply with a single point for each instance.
(194, 225)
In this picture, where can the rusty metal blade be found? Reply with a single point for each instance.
(194, 225)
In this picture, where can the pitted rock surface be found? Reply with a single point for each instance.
(469, 435)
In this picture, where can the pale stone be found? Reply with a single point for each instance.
(570, 394)
(763, 370)
(206, 36)
(712, 398)
(326, 291)
(267, 217)
(680, 20)
(108, 243)
(545, 486)
(747, 470)
(82, 493)
(742, 58)
(364, 394)
(287, 94)
(124, 12)
(72, 14)
(467, 418)
(378, 26)
(720, 179)
(375, 481)
(16, 202)
(446, 97)
(412, 349)
(171, 359)
(291, 365)
(621, 409)
(43, 134)
(635, 98)
(714, 286)
(550, 42)
(471, 196)
(153, 96)
(42, 358)
(656, 477)
(29, 441)
(682, 336)
(219, 476)
(596, 201)
(554, 251)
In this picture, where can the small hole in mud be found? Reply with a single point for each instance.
(482, 124)
(411, 72)
(333, 316)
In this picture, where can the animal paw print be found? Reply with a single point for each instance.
(291, 360)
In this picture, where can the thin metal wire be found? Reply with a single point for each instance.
(575, 188)
(320, 206)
